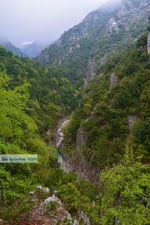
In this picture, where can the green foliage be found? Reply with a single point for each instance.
(71, 196)
(124, 194)
(32, 99)
(114, 119)
(18, 135)
(52, 206)
(53, 91)
(142, 137)
(105, 111)
(14, 194)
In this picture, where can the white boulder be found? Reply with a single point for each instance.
(53, 198)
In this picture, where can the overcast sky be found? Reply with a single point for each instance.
(42, 20)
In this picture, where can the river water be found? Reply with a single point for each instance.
(64, 165)
(58, 143)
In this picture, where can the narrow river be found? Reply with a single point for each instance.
(66, 166)
(58, 143)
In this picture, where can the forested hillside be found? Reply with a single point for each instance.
(113, 116)
(52, 90)
(109, 132)
(94, 170)
(10, 47)
(32, 100)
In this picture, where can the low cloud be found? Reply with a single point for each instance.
(42, 20)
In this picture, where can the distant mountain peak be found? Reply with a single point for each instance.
(31, 48)
(27, 43)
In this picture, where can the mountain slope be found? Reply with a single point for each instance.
(111, 106)
(31, 49)
(51, 89)
(113, 116)
(32, 100)
(102, 33)
(10, 47)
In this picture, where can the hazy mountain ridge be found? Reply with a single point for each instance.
(9, 46)
(31, 49)
(101, 33)
(27, 49)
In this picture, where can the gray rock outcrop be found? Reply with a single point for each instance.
(113, 80)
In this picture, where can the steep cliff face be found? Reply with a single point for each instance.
(104, 31)
(113, 114)
(79, 164)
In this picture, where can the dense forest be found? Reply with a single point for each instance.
(32, 100)
(124, 173)
(113, 124)
(106, 141)
(114, 111)
(52, 89)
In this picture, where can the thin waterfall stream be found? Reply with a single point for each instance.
(58, 142)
